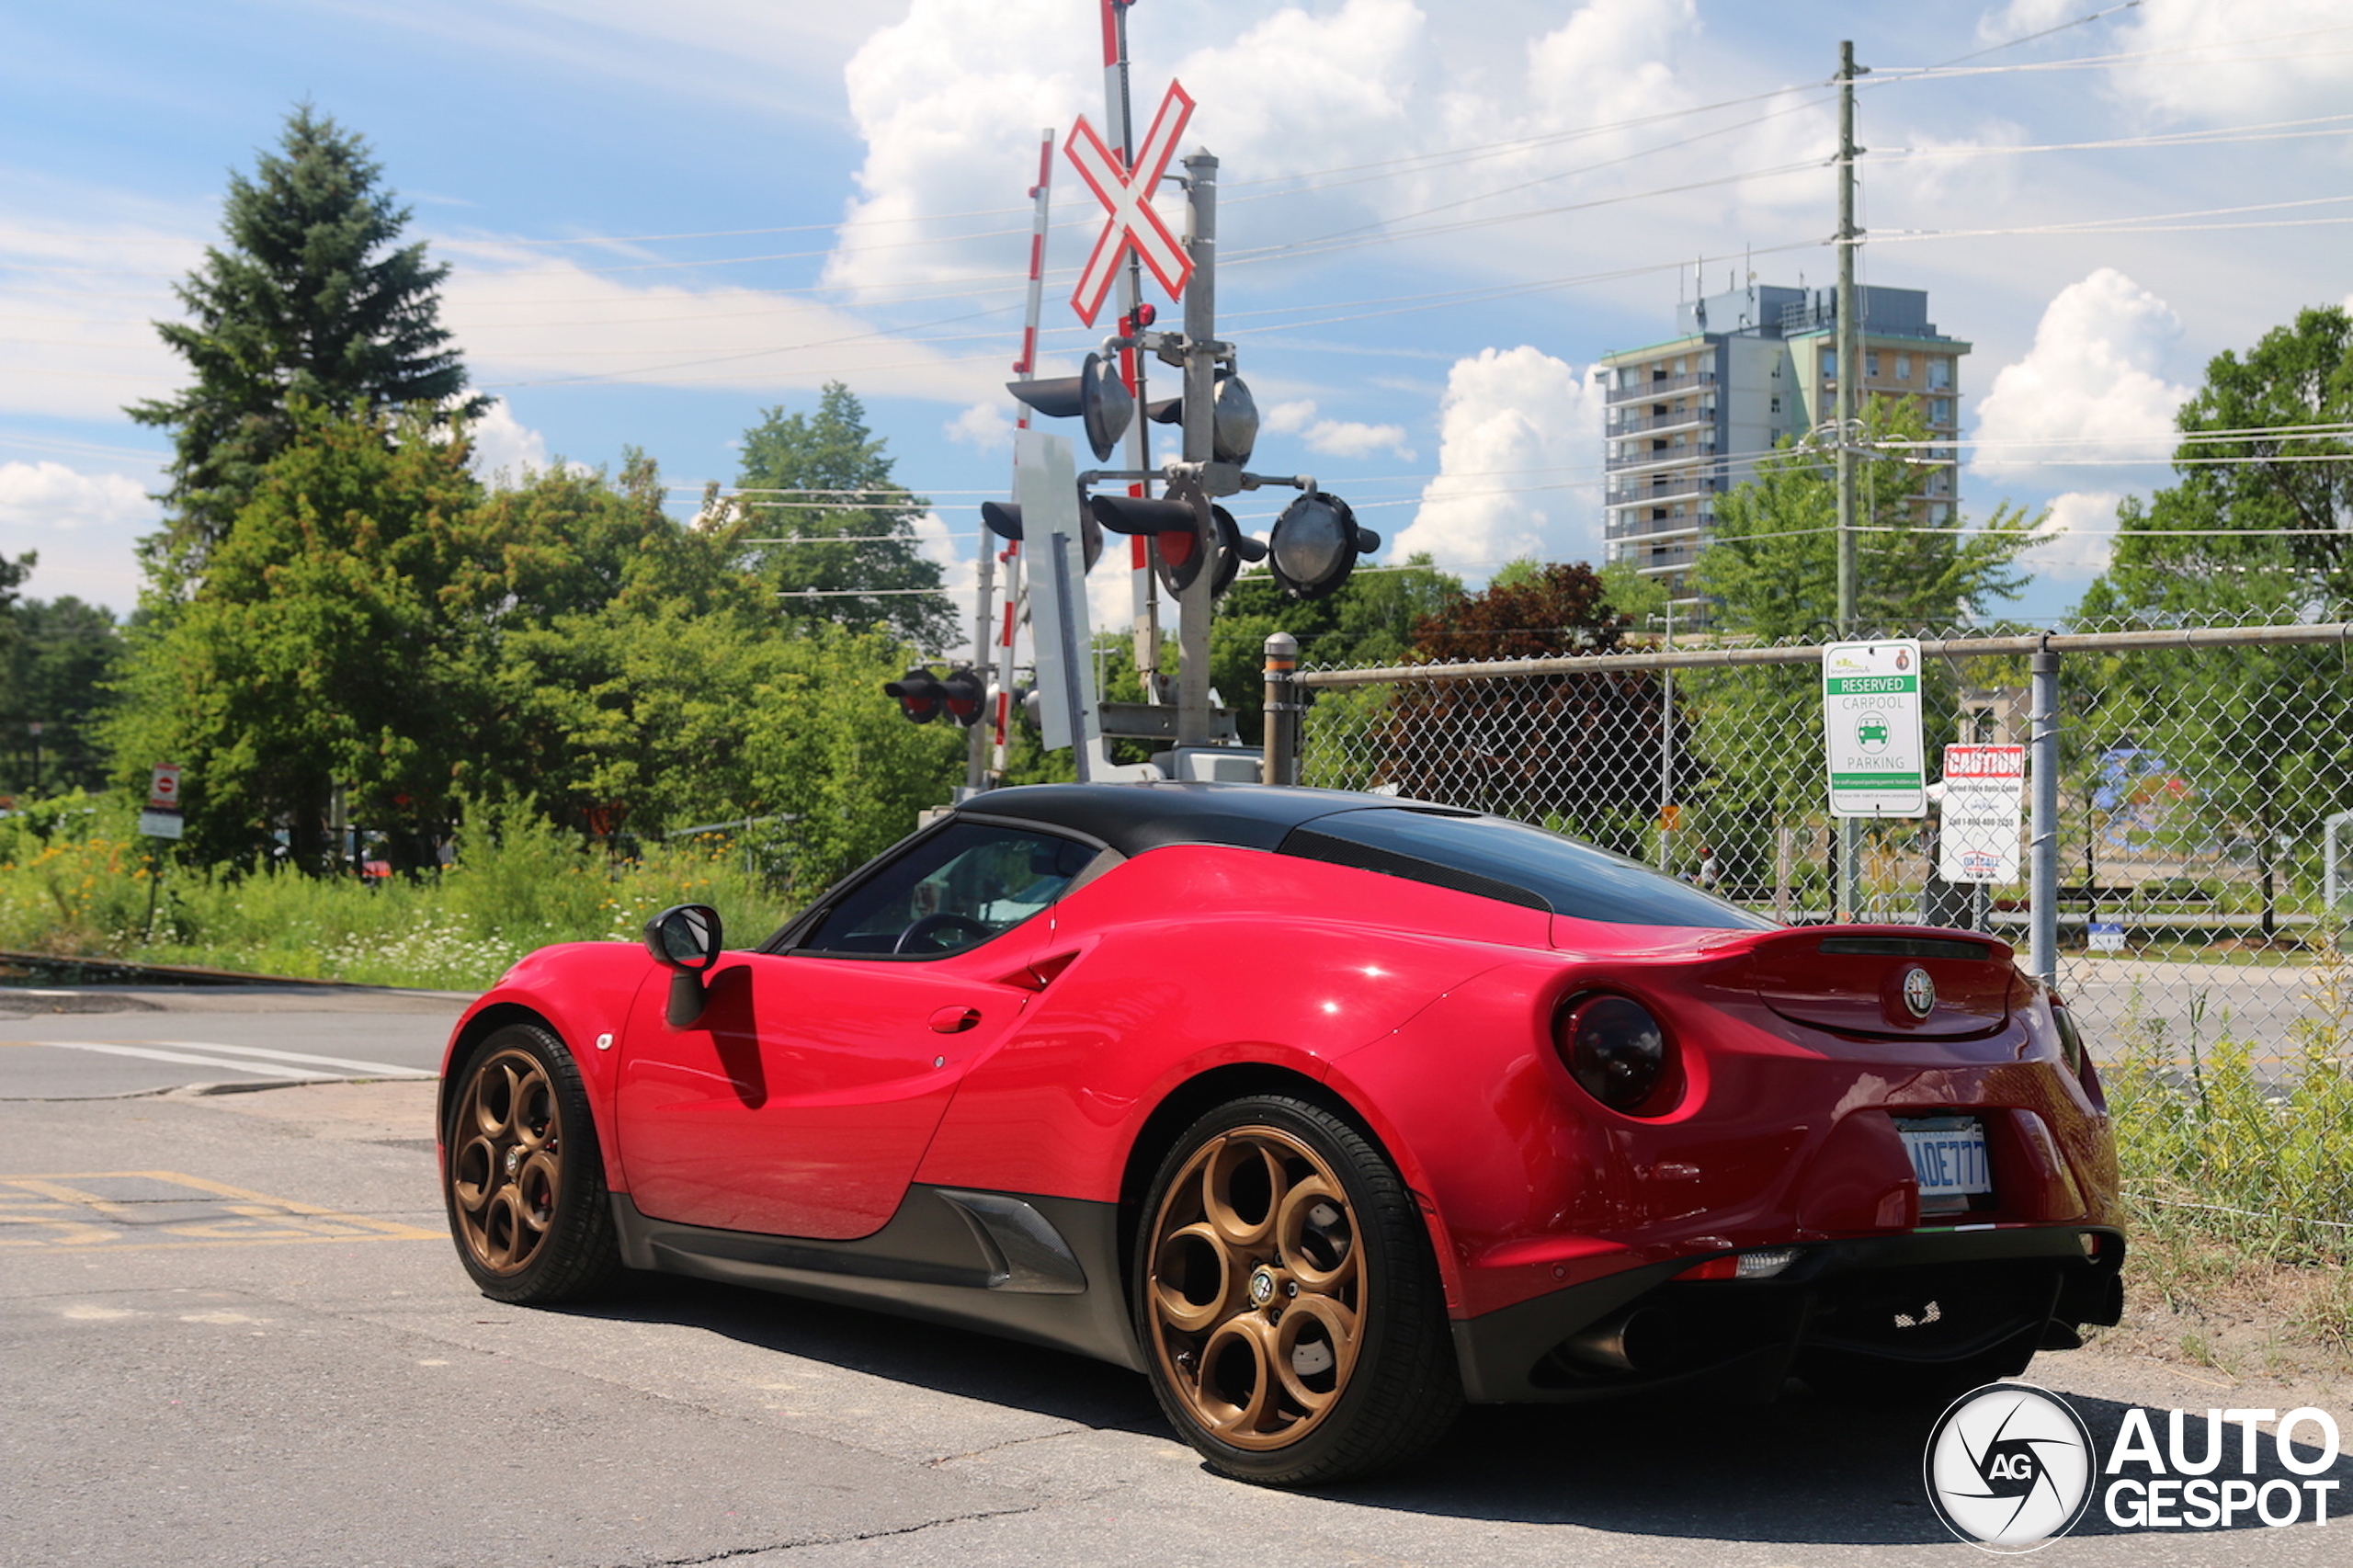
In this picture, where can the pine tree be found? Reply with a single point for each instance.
(311, 297)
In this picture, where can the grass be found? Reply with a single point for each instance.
(75, 880)
(2241, 1187)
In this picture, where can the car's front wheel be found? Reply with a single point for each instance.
(1288, 1306)
(522, 1175)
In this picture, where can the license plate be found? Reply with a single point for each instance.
(1947, 1156)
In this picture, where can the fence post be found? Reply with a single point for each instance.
(1281, 736)
(2042, 886)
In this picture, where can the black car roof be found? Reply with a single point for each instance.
(1132, 818)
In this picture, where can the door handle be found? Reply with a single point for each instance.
(955, 1020)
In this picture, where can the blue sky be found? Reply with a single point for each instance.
(1435, 218)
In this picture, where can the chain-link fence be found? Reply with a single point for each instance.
(2188, 906)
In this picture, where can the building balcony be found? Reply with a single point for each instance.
(1661, 386)
(1664, 489)
(1633, 425)
(1620, 529)
(1700, 451)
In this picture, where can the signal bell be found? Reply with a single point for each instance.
(1315, 545)
(1234, 418)
(1003, 519)
(1096, 394)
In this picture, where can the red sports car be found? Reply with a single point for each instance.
(1325, 1111)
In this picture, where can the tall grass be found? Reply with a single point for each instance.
(2211, 1143)
(78, 881)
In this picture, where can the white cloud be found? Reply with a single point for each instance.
(85, 527)
(985, 426)
(2091, 387)
(2208, 61)
(1518, 431)
(505, 450)
(2082, 529)
(523, 318)
(1334, 437)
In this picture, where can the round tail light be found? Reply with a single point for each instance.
(1616, 1051)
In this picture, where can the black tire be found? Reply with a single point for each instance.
(521, 1174)
(1239, 1235)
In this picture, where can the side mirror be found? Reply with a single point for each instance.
(686, 939)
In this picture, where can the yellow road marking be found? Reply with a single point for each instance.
(62, 1215)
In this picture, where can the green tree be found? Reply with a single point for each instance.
(55, 673)
(2258, 522)
(1771, 564)
(1369, 622)
(310, 298)
(822, 483)
(321, 652)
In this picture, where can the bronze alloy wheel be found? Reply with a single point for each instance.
(1287, 1299)
(525, 1182)
(507, 1167)
(1258, 1287)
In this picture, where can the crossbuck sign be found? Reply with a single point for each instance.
(1126, 195)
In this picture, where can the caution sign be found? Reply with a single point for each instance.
(1871, 729)
(1983, 813)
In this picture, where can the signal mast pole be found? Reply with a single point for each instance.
(1116, 109)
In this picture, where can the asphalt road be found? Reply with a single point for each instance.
(233, 1332)
(90, 1042)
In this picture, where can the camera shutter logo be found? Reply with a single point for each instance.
(2009, 1467)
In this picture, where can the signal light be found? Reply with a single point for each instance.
(1315, 545)
(1616, 1051)
(1003, 519)
(1233, 417)
(1097, 395)
(923, 695)
(920, 695)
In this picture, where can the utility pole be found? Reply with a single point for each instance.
(1200, 438)
(1850, 367)
(1850, 339)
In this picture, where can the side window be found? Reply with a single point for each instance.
(957, 889)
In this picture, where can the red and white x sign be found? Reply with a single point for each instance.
(1127, 195)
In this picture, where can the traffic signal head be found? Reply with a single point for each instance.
(1315, 545)
(1234, 421)
(923, 695)
(1097, 395)
(1003, 519)
(1235, 547)
(920, 695)
(964, 694)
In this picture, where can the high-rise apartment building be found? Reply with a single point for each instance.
(1688, 418)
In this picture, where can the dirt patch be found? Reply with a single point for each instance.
(392, 1111)
(2233, 1316)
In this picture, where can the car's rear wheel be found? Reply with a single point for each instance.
(1286, 1298)
(522, 1175)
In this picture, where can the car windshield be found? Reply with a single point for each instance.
(1497, 858)
(951, 891)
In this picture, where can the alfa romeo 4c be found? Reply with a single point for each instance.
(1326, 1112)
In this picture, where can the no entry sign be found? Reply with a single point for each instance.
(1125, 195)
(1871, 728)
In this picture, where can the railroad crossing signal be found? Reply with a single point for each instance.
(1125, 195)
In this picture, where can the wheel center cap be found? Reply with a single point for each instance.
(514, 1159)
(1262, 1286)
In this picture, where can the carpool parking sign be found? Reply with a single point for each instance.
(1871, 728)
